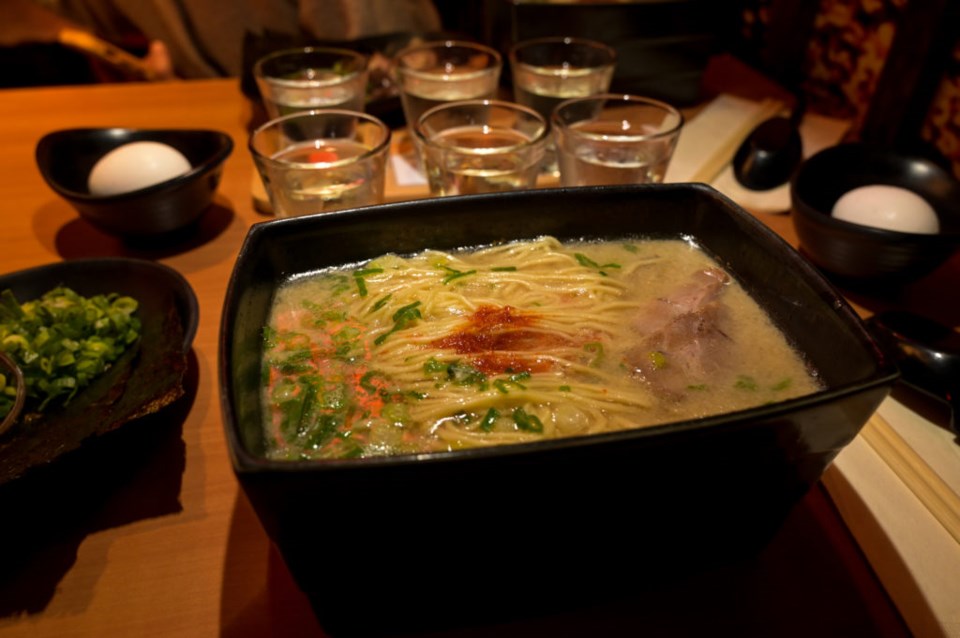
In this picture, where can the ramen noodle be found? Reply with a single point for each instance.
(514, 343)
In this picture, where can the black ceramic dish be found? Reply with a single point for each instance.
(169, 313)
(862, 254)
(402, 542)
(65, 159)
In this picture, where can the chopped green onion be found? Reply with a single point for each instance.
(381, 302)
(455, 274)
(358, 277)
(781, 385)
(489, 419)
(465, 374)
(366, 381)
(62, 340)
(361, 286)
(401, 319)
(527, 422)
(583, 260)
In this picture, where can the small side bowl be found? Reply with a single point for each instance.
(65, 159)
(862, 253)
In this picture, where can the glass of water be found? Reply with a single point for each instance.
(547, 71)
(319, 161)
(614, 139)
(435, 73)
(480, 146)
(311, 78)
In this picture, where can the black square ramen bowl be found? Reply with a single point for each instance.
(451, 538)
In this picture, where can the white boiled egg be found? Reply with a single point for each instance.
(134, 166)
(889, 207)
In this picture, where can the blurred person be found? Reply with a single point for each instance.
(38, 46)
(206, 38)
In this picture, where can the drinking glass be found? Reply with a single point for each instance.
(311, 78)
(435, 73)
(319, 161)
(480, 146)
(614, 139)
(547, 71)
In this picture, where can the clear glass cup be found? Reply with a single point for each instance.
(480, 146)
(547, 71)
(614, 139)
(435, 73)
(320, 161)
(311, 78)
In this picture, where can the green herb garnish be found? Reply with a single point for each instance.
(401, 319)
(489, 419)
(781, 385)
(358, 277)
(527, 422)
(381, 302)
(583, 260)
(454, 274)
(62, 341)
(455, 372)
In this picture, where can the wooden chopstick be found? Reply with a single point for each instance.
(916, 474)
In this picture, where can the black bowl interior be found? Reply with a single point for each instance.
(702, 486)
(65, 158)
(854, 251)
(769, 268)
(169, 314)
(832, 172)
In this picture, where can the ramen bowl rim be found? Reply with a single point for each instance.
(246, 462)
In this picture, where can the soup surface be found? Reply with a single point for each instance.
(513, 343)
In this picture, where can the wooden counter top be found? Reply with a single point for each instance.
(151, 536)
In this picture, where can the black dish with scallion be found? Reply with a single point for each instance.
(99, 343)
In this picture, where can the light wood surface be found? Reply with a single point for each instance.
(172, 565)
(204, 567)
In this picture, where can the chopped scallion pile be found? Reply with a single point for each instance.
(62, 341)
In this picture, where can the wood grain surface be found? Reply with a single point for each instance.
(147, 534)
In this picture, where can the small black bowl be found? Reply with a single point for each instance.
(858, 253)
(65, 159)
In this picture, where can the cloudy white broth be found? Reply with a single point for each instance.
(518, 342)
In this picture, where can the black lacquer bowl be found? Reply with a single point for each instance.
(146, 378)
(460, 537)
(65, 159)
(862, 254)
